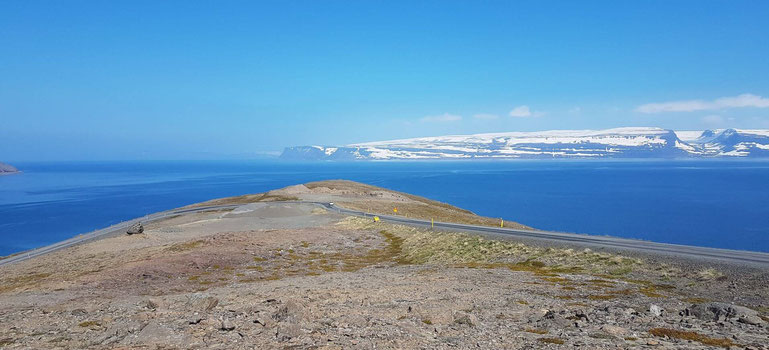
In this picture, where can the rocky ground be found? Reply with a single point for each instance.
(278, 275)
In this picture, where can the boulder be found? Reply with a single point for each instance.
(615, 330)
(556, 319)
(716, 311)
(655, 310)
(292, 311)
(288, 331)
(204, 303)
(461, 317)
(226, 325)
(135, 229)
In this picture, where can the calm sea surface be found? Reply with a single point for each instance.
(714, 203)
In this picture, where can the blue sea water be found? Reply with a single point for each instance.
(716, 203)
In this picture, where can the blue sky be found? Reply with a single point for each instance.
(88, 80)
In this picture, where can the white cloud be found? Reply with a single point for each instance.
(524, 112)
(520, 112)
(445, 117)
(744, 100)
(484, 116)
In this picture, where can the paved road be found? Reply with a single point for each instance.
(756, 259)
(114, 229)
(713, 254)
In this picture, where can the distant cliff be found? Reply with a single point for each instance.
(611, 143)
(7, 169)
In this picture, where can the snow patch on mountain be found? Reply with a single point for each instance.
(631, 142)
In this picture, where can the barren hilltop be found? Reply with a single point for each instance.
(280, 272)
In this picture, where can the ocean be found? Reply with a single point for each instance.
(714, 203)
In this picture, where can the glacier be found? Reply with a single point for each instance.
(628, 142)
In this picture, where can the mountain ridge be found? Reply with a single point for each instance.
(627, 142)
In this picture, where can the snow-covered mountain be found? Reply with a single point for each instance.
(732, 143)
(639, 142)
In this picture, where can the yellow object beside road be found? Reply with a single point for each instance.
(376, 219)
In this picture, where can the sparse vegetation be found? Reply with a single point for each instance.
(692, 336)
(26, 280)
(181, 247)
(88, 324)
(709, 274)
(536, 331)
(552, 341)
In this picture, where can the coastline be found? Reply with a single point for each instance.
(540, 238)
(289, 268)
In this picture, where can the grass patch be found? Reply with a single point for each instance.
(552, 341)
(26, 280)
(600, 336)
(709, 274)
(621, 271)
(536, 331)
(696, 300)
(559, 280)
(578, 304)
(621, 292)
(692, 336)
(601, 283)
(651, 292)
(427, 321)
(89, 324)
